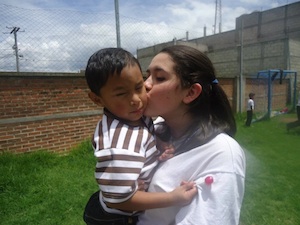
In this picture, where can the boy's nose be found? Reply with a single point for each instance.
(135, 99)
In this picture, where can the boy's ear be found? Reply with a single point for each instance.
(193, 93)
(95, 98)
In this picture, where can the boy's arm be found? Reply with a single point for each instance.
(140, 201)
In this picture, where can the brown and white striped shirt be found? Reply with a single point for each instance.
(125, 153)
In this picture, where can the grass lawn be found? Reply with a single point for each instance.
(43, 188)
(272, 195)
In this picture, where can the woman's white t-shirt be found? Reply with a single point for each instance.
(218, 203)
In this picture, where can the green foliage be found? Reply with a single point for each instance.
(49, 189)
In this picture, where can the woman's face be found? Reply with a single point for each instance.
(164, 89)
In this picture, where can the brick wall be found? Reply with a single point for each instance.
(229, 87)
(280, 94)
(53, 112)
(45, 111)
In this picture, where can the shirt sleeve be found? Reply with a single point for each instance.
(117, 172)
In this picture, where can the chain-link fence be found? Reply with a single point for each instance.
(49, 40)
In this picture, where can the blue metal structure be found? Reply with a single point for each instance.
(273, 74)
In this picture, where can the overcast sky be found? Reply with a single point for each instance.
(143, 23)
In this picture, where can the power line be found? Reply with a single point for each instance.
(14, 31)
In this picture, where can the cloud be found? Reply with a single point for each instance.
(192, 15)
(63, 40)
(61, 35)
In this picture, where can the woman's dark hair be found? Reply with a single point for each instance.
(212, 107)
(104, 63)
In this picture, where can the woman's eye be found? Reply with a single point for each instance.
(159, 79)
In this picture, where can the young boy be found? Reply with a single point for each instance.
(250, 108)
(123, 142)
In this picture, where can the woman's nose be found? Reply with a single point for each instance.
(148, 84)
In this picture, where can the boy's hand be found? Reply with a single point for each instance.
(184, 194)
(167, 151)
(142, 185)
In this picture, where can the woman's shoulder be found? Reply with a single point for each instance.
(226, 142)
(227, 147)
(221, 144)
(223, 137)
(222, 153)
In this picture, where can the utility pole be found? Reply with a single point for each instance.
(15, 46)
(241, 65)
(117, 23)
(218, 16)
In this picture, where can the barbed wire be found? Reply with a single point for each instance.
(54, 40)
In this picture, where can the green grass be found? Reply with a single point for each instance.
(272, 195)
(45, 188)
(48, 189)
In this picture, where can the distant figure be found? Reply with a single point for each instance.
(250, 108)
(298, 108)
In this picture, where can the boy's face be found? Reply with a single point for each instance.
(125, 95)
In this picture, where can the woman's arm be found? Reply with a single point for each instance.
(141, 200)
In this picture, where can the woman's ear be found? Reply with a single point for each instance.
(95, 98)
(193, 93)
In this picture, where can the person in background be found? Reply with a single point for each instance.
(194, 116)
(298, 107)
(250, 108)
(124, 143)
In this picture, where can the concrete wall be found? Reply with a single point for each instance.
(145, 55)
(261, 41)
(45, 111)
(294, 54)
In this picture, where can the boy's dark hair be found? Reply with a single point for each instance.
(104, 63)
(251, 95)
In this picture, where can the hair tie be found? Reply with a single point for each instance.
(215, 81)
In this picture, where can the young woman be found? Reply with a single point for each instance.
(196, 118)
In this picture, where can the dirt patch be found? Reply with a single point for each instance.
(287, 120)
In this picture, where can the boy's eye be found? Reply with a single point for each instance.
(139, 87)
(120, 94)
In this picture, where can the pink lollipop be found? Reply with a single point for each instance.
(208, 181)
